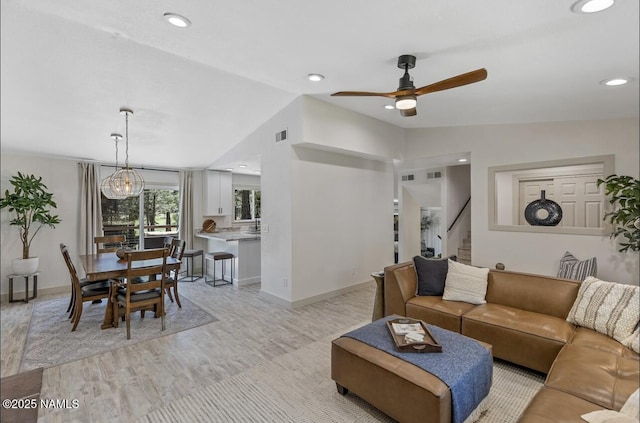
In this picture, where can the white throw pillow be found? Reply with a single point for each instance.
(633, 341)
(607, 307)
(465, 283)
(629, 412)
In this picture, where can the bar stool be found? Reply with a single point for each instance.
(216, 256)
(189, 256)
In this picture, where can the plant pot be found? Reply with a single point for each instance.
(25, 266)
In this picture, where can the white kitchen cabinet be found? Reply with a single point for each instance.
(218, 193)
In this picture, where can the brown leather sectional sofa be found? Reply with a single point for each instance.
(525, 321)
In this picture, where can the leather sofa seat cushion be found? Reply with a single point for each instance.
(594, 375)
(523, 337)
(553, 406)
(438, 312)
(543, 325)
(589, 338)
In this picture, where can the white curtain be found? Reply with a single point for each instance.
(90, 207)
(185, 226)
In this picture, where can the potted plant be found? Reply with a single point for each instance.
(625, 196)
(32, 204)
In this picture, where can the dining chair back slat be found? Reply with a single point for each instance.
(145, 285)
(109, 243)
(176, 250)
(82, 290)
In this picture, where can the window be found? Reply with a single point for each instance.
(246, 204)
(157, 209)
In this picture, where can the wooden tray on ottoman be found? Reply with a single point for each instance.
(428, 345)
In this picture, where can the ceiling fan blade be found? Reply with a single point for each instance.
(362, 94)
(456, 81)
(409, 112)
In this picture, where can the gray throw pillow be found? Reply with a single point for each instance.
(572, 268)
(431, 274)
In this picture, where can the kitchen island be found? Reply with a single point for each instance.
(244, 246)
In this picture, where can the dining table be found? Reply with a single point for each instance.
(106, 266)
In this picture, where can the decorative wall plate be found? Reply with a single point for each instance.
(209, 226)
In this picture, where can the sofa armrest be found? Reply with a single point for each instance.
(399, 287)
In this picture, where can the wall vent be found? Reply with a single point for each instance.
(409, 177)
(281, 136)
(434, 175)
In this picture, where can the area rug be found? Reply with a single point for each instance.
(297, 387)
(50, 341)
(19, 390)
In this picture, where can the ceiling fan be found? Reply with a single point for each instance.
(406, 95)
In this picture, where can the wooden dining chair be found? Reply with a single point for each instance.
(176, 250)
(82, 290)
(109, 243)
(147, 292)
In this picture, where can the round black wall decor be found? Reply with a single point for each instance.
(543, 212)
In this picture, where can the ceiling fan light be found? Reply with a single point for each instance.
(406, 102)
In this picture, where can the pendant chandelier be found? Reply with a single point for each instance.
(126, 182)
(105, 185)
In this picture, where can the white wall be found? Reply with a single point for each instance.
(342, 221)
(62, 178)
(408, 225)
(494, 145)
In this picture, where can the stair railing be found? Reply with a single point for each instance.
(459, 214)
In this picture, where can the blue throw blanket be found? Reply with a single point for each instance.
(464, 365)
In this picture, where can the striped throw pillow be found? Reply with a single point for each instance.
(572, 268)
(607, 307)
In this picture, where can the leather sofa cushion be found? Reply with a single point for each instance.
(542, 325)
(436, 311)
(537, 293)
(553, 406)
(523, 337)
(589, 338)
(594, 375)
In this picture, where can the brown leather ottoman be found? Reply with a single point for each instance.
(398, 388)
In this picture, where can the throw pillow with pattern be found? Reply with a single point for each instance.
(465, 283)
(607, 307)
(578, 270)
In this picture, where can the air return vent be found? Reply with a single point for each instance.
(434, 175)
(281, 136)
(409, 177)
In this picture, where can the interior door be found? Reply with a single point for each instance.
(581, 201)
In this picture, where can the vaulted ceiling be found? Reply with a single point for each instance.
(68, 66)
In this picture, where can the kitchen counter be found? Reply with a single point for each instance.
(229, 236)
(245, 246)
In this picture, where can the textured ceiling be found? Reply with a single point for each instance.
(68, 66)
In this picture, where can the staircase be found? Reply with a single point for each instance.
(464, 251)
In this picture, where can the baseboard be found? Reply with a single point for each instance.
(315, 298)
(246, 281)
(17, 295)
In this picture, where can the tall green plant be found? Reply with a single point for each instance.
(625, 197)
(31, 203)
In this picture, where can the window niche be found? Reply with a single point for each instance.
(571, 184)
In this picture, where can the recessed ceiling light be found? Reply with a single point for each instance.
(177, 20)
(229, 169)
(462, 160)
(242, 165)
(591, 6)
(315, 77)
(389, 107)
(613, 82)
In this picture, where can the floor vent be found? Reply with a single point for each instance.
(281, 136)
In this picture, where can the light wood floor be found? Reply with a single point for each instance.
(130, 382)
